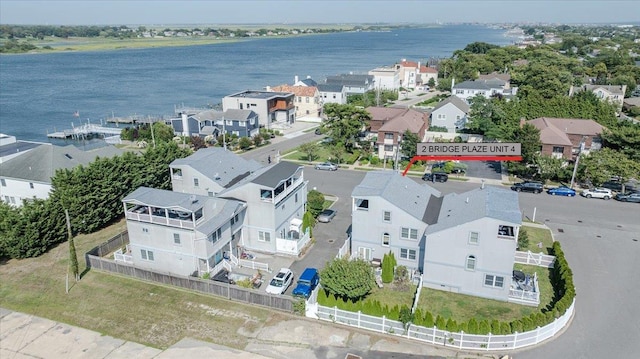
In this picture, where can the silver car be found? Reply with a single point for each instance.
(603, 193)
(327, 166)
(327, 215)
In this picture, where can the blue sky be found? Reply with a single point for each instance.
(159, 12)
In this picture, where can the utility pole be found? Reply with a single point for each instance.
(153, 138)
(575, 166)
(224, 134)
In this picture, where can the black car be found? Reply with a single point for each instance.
(435, 177)
(528, 186)
(617, 186)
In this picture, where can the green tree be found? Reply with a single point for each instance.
(387, 268)
(523, 239)
(349, 280)
(337, 153)
(258, 140)
(310, 149)
(600, 166)
(344, 122)
(73, 257)
(624, 138)
(244, 143)
(315, 202)
(549, 167)
(409, 143)
(308, 222)
(406, 317)
(162, 133)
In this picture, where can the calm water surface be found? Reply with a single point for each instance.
(40, 92)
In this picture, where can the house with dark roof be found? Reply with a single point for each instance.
(272, 107)
(464, 243)
(334, 93)
(563, 137)
(450, 113)
(242, 123)
(180, 233)
(390, 124)
(353, 84)
(28, 175)
(614, 94)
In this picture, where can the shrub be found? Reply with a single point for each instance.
(484, 327)
(452, 326)
(440, 323)
(375, 161)
(244, 143)
(505, 328)
(387, 268)
(495, 327)
(353, 157)
(523, 238)
(427, 320)
(516, 326)
(472, 327)
(405, 316)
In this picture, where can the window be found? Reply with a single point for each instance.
(407, 253)
(12, 199)
(386, 216)
(264, 236)
(216, 235)
(242, 124)
(196, 183)
(558, 149)
(442, 116)
(145, 230)
(31, 185)
(362, 204)
(296, 198)
(210, 194)
(146, 255)
(473, 237)
(388, 136)
(408, 233)
(177, 173)
(3, 182)
(364, 253)
(228, 123)
(506, 231)
(176, 238)
(307, 100)
(388, 148)
(493, 281)
(385, 239)
(471, 263)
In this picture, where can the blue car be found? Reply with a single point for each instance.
(562, 191)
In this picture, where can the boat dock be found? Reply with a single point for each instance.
(86, 131)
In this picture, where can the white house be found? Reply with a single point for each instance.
(613, 94)
(28, 176)
(450, 113)
(271, 107)
(353, 84)
(332, 93)
(386, 77)
(180, 233)
(487, 88)
(463, 243)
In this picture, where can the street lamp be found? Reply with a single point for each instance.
(575, 166)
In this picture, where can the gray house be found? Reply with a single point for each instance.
(242, 123)
(209, 171)
(353, 84)
(332, 93)
(180, 233)
(450, 113)
(463, 243)
(276, 198)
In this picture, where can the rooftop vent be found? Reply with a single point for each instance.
(467, 200)
(193, 198)
(216, 176)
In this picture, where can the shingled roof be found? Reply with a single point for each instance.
(216, 162)
(302, 91)
(555, 131)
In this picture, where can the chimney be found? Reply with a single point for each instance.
(295, 79)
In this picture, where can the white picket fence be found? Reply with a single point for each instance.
(537, 259)
(459, 340)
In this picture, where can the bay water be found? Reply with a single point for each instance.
(40, 93)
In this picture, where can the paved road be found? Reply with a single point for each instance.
(601, 240)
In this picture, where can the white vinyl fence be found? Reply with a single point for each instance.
(537, 259)
(433, 335)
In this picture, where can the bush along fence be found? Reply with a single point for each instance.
(471, 335)
(233, 292)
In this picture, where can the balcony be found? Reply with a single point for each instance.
(281, 106)
(162, 216)
(279, 194)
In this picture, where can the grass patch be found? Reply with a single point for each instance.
(390, 296)
(121, 307)
(464, 307)
(536, 236)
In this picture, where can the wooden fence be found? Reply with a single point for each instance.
(229, 291)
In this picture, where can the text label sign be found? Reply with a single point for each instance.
(468, 149)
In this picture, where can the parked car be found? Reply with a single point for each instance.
(307, 282)
(528, 186)
(599, 192)
(617, 186)
(562, 191)
(435, 177)
(327, 215)
(628, 197)
(327, 166)
(280, 281)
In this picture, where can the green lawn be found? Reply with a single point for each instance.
(121, 307)
(536, 236)
(390, 296)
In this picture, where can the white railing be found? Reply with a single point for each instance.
(223, 264)
(537, 259)
(526, 297)
(417, 295)
(455, 340)
(120, 256)
(344, 250)
(159, 220)
(250, 263)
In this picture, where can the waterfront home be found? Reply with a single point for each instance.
(273, 108)
(386, 77)
(307, 99)
(242, 123)
(414, 75)
(353, 84)
(332, 94)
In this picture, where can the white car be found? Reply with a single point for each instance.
(603, 193)
(280, 281)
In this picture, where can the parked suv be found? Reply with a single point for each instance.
(280, 282)
(307, 282)
(528, 186)
(617, 186)
(435, 177)
(603, 193)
